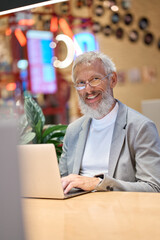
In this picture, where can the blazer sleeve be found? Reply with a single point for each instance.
(146, 149)
(63, 160)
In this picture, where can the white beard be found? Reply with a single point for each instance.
(103, 108)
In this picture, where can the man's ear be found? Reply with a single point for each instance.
(113, 80)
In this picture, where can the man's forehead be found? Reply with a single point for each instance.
(89, 63)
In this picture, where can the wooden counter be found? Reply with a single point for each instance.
(94, 216)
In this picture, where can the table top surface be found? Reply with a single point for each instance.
(97, 215)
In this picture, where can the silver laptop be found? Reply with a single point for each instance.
(39, 172)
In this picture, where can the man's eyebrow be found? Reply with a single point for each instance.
(94, 76)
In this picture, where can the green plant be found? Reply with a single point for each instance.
(33, 129)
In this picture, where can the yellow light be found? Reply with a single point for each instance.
(54, 24)
(8, 31)
(20, 37)
(26, 22)
(11, 86)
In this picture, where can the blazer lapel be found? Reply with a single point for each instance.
(81, 145)
(118, 138)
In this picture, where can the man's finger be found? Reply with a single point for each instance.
(64, 184)
(69, 187)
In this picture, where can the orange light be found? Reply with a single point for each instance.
(54, 24)
(11, 86)
(20, 37)
(8, 31)
(65, 28)
(26, 22)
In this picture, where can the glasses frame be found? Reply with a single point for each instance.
(88, 82)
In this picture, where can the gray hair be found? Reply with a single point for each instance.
(89, 57)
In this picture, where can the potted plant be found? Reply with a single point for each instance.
(33, 130)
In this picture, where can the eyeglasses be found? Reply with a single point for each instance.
(94, 82)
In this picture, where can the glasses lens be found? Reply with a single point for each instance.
(95, 82)
(80, 86)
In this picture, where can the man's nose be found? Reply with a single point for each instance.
(88, 87)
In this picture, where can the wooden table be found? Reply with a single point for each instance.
(94, 216)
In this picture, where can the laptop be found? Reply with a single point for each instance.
(39, 173)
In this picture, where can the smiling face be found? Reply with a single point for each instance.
(97, 100)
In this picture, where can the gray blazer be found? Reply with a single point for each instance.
(134, 162)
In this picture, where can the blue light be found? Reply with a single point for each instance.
(86, 41)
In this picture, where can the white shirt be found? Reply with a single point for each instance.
(96, 155)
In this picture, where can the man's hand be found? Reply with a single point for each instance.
(77, 181)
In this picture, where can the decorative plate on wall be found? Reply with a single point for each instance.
(133, 36)
(115, 18)
(111, 3)
(143, 23)
(79, 3)
(107, 30)
(119, 33)
(148, 38)
(126, 4)
(96, 27)
(88, 3)
(99, 10)
(128, 18)
(64, 7)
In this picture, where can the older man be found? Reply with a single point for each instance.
(112, 147)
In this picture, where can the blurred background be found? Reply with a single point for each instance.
(38, 46)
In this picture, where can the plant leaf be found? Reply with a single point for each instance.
(55, 142)
(38, 131)
(53, 131)
(27, 137)
(33, 112)
(22, 124)
(52, 128)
